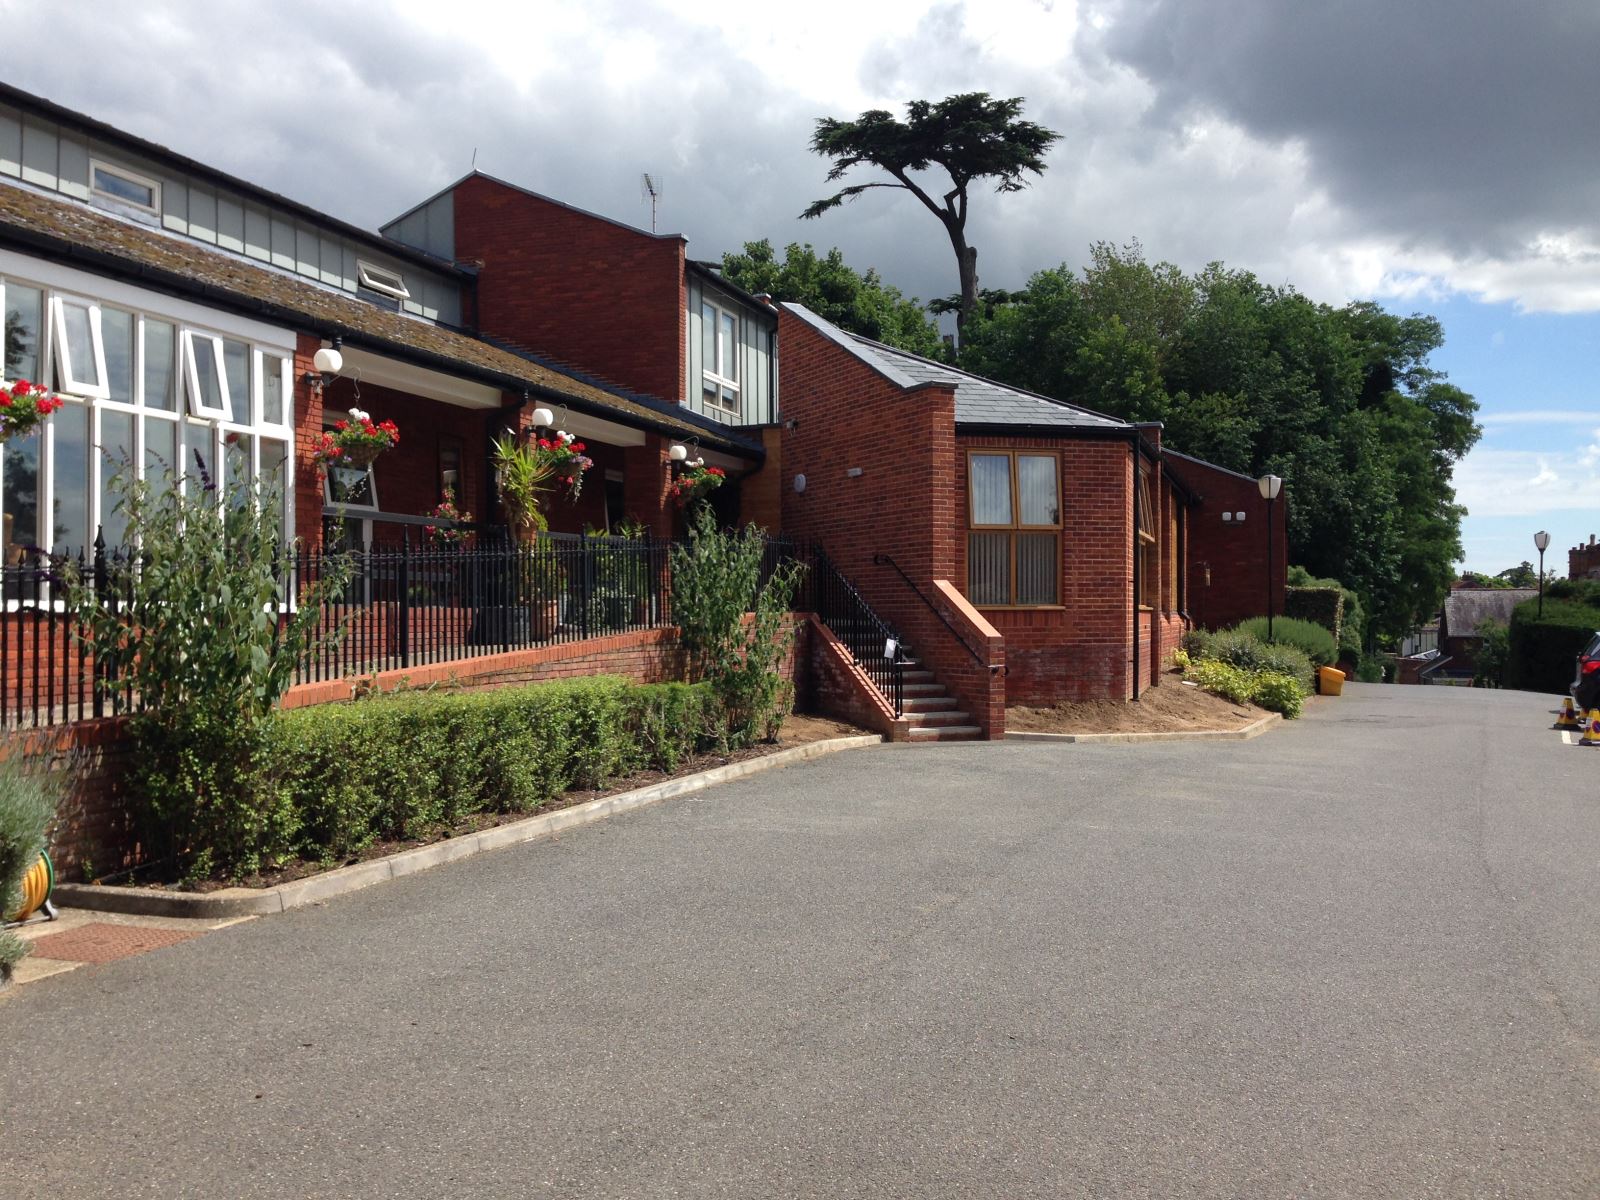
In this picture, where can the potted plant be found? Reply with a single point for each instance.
(534, 584)
(452, 535)
(696, 481)
(23, 407)
(564, 455)
(352, 446)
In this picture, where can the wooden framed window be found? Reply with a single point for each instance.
(1014, 515)
(1149, 549)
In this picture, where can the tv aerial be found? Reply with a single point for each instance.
(650, 186)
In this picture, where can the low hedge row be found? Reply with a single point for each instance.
(334, 778)
(1322, 606)
(1240, 649)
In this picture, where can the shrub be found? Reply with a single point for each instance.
(1352, 619)
(1278, 693)
(198, 636)
(1312, 639)
(1196, 643)
(1223, 678)
(1322, 606)
(27, 802)
(1489, 664)
(398, 766)
(1540, 652)
(716, 579)
(1369, 669)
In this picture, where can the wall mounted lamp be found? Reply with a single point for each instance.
(328, 362)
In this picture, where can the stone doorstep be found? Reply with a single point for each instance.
(244, 902)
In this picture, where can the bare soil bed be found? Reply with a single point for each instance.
(798, 729)
(1173, 707)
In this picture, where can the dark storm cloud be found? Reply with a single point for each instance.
(1474, 124)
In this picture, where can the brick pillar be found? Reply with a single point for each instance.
(307, 433)
(644, 485)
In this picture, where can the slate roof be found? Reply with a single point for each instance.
(1466, 608)
(85, 237)
(979, 401)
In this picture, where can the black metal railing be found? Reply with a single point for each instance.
(866, 635)
(396, 607)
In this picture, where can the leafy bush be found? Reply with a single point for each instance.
(1540, 652)
(198, 636)
(716, 579)
(27, 802)
(1489, 664)
(398, 766)
(1196, 643)
(1352, 619)
(1322, 606)
(1272, 690)
(1369, 669)
(1310, 638)
(1277, 692)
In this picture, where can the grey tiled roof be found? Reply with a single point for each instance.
(1466, 608)
(979, 401)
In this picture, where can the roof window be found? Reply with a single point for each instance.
(381, 279)
(124, 187)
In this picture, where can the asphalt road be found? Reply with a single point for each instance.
(1355, 957)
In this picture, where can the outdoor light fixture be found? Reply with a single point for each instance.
(799, 484)
(1541, 541)
(678, 452)
(853, 472)
(1270, 486)
(328, 362)
(543, 417)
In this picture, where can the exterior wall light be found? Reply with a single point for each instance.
(799, 484)
(543, 417)
(327, 363)
(678, 452)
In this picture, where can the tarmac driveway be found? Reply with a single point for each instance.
(1356, 956)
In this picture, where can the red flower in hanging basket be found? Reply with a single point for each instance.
(565, 456)
(695, 481)
(23, 407)
(356, 443)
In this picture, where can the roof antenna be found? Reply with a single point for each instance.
(474, 166)
(650, 186)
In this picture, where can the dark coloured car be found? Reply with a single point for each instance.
(1586, 679)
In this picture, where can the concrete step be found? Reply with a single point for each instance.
(946, 733)
(922, 704)
(934, 720)
(917, 676)
(923, 689)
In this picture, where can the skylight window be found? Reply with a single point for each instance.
(123, 186)
(381, 279)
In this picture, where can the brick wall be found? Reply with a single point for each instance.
(1583, 562)
(576, 287)
(93, 823)
(1235, 554)
(903, 502)
(761, 492)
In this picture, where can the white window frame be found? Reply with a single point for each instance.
(714, 383)
(70, 381)
(110, 168)
(258, 387)
(382, 279)
(191, 377)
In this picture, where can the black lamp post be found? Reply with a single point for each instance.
(1270, 486)
(1542, 541)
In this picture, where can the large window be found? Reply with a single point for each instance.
(1149, 548)
(719, 356)
(1014, 547)
(150, 391)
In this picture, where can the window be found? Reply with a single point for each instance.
(1014, 547)
(80, 349)
(1149, 548)
(719, 356)
(381, 279)
(205, 375)
(122, 186)
(123, 373)
(450, 452)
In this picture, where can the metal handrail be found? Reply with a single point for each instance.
(884, 560)
(863, 632)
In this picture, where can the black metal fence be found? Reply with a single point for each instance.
(403, 606)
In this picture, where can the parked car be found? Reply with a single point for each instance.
(1586, 677)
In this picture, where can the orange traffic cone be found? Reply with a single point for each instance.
(1569, 715)
(1591, 729)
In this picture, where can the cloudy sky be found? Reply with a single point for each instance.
(1435, 155)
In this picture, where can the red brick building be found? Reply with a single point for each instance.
(1030, 550)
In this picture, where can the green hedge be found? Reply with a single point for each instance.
(1542, 652)
(1322, 606)
(339, 777)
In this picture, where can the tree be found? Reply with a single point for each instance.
(835, 291)
(1522, 576)
(971, 136)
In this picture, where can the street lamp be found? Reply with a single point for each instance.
(1270, 486)
(1542, 541)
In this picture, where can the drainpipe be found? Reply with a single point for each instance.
(1133, 452)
